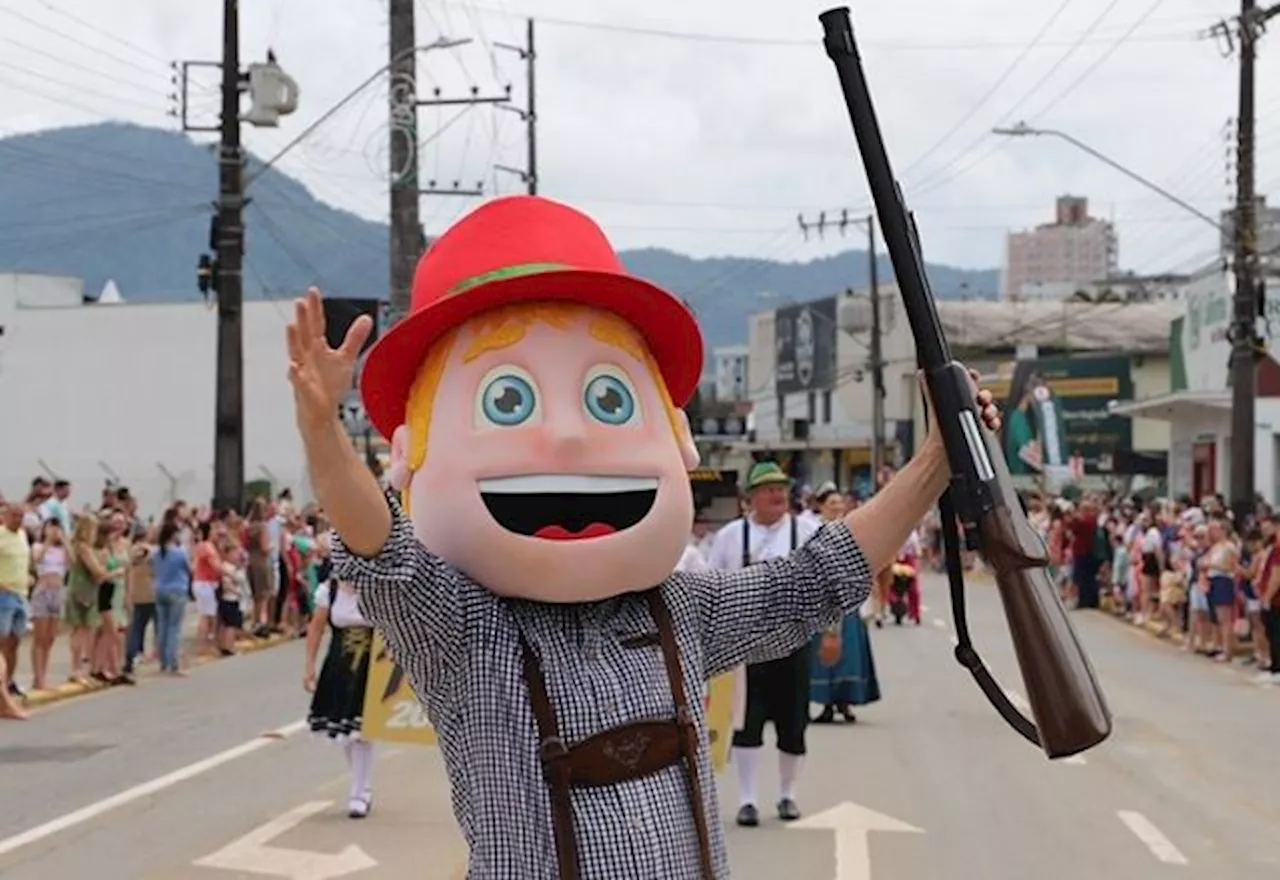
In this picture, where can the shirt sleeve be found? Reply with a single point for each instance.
(774, 608)
(413, 597)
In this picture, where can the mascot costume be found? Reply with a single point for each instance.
(523, 577)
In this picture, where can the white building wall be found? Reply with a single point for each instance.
(850, 422)
(127, 392)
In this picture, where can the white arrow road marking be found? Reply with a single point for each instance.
(1161, 847)
(146, 789)
(852, 825)
(253, 853)
(1023, 705)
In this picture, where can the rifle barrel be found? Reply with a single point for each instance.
(896, 224)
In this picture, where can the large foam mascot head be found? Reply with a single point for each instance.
(532, 397)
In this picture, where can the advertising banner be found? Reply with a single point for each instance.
(392, 712)
(1057, 419)
(805, 340)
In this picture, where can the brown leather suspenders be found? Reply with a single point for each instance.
(631, 751)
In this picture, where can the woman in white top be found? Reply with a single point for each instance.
(337, 703)
(48, 599)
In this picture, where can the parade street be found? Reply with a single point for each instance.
(212, 779)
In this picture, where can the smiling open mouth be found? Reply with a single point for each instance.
(568, 507)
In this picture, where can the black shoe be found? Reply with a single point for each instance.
(827, 717)
(787, 810)
(847, 714)
(748, 816)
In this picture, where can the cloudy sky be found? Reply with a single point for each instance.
(708, 127)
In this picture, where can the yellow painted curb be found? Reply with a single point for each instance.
(70, 689)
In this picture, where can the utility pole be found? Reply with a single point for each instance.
(876, 354)
(529, 115)
(405, 242)
(1246, 346)
(273, 94)
(228, 444)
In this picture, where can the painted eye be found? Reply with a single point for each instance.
(609, 398)
(507, 398)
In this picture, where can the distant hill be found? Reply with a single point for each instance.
(129, 203)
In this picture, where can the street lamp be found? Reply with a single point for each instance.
(1022, 129)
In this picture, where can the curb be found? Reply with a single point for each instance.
(69, 690)
(1151, 630)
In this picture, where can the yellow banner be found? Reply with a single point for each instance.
(392, 712)
(720, 718)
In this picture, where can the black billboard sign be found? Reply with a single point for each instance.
(805, 338)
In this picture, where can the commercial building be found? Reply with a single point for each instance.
(811, 383)
(1054, 259)
(1197, 402)
(729, 373)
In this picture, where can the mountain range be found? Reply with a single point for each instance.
(132, 204)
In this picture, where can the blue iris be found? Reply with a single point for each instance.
(508, 400)
(609, 400)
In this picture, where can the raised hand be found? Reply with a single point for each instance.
(320, 375)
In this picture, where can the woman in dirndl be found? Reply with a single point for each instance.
(337, 702)
(844, 670)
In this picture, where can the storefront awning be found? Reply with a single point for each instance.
(1176, 406)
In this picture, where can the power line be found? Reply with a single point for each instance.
(118, 59)
(967, 116)
(1097, 64)
(807, 43)
(932, 180)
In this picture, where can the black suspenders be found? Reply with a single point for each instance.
(746, 539)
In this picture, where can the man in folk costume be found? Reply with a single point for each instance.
(772, 688)
(523, 579)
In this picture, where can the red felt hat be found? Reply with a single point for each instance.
(523, 249)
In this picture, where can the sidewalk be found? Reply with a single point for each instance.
(60, 662)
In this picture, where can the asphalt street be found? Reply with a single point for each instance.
(210, 778)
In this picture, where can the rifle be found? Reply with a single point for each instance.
(1070, 712)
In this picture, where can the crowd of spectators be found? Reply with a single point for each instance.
(1185, 570)
(105, 578)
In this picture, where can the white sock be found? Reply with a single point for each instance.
(346, 750)
(361, 768)
(746, 761)
(788, 773)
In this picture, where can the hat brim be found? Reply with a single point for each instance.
(666, 324)
(770, 480)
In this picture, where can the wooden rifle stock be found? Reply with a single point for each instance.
(1070, 712)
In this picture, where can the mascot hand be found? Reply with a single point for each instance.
(321, 375)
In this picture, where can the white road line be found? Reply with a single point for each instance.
(146, 789)
(1143, 829)
(1074, 760)
(939, 623)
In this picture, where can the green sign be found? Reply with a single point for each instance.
(1057, 417)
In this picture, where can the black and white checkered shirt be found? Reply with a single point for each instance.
(458, 644)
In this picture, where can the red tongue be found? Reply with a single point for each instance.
(560, 533)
